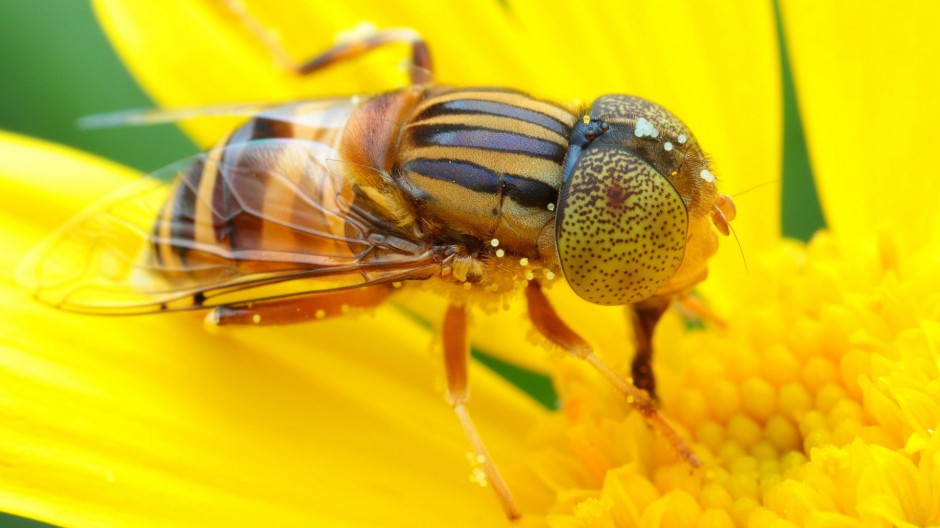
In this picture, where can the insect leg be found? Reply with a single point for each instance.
(298, 309)
(644, 317)
(547, 322)
(420, 71)
(456, 350)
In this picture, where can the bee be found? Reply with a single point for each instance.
(314, 208)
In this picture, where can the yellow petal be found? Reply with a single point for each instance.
(187, 53)
(867, 93)
(151, 421)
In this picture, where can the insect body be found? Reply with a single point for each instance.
(312, 208)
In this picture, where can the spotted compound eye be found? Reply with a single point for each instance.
(621, 228)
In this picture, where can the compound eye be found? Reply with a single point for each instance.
(621, 228)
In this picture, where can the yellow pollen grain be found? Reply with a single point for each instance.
(500, 253)
(529, 275)
(724, 399)
(729, 451)
(715, 518)
(744, 484)
(344, 308)
(782, 434)
(805, 338)
(817, 372)
(845, 410)
(320, 313)
(779, 365)
(256, 318)
(744, 430)
(494, 242)
(793, 400)
(817, 438)
(792, 461)
(764, 450)
(523, 262)
(846, 432)
(759, 398)
(742, 508)
(853, 364)
(676, 477)
(478, 477)
(691, 409)
(812, 420)
(828, 395)
(396, 284)
(710, 433)
(715, 495)
(551, 207)
(675, 509)
(743, 464)
(549, 275)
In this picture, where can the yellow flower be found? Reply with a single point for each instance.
(815, 406)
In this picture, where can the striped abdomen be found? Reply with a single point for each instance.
(485, 164)
(263, 199)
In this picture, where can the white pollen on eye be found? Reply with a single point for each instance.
(256, 318)
(551, 207)
(667, 146)
(494, 242)
(320, 314)
(707, 175)
(500, 253)
(645, 129)
(683, 138)
(523, 262)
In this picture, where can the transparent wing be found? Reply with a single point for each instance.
(251, 221)
(316, 112)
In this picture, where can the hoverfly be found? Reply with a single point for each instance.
(313, 208)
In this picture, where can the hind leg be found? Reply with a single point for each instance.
(420, 68)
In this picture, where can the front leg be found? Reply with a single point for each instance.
(547, 322)
(645, 316)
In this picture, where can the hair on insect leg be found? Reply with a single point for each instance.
(456, 351)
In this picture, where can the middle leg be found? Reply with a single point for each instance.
(456, 351)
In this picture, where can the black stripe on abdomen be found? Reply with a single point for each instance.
(486, 139)
(465, 174)
(183, 217)
(476, 106)
(524, 191)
